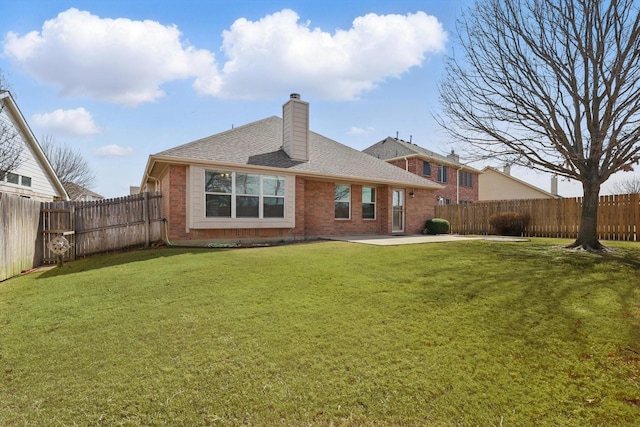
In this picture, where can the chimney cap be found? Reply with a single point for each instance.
(294, 96)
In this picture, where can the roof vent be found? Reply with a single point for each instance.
(294, 96)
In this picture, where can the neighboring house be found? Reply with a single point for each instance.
(459, 181)
(274, 179)
(500, 185)
(34, 177)
(79, 193)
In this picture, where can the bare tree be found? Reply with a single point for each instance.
(552, 85)
(629, 185)
(10, 142)
(68, 163)
(4, 83)
(10, 147)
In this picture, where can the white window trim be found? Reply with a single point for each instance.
(197, 206)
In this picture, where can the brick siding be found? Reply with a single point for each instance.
(314, 212)
(415, 165)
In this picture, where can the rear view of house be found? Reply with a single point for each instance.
(275, 179)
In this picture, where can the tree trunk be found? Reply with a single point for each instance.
(588, 231)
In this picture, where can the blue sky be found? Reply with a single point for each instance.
(120, 80)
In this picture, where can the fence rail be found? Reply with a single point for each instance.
(102, 226)
(18, 234)
(618, 216)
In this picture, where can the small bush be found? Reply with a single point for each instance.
(510, 223)
(436, 226)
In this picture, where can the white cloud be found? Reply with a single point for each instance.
(77, 122)
(114, 151)
(117, 60)
(360, 131)
(127, 62)
(278, 54)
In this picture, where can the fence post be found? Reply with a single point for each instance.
(72, 226)
(145, 215)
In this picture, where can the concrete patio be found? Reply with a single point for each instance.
(405, 239)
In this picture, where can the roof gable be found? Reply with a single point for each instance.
(18, 122)
(523, 184)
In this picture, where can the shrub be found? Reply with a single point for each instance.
(436, 226)
(510, 223)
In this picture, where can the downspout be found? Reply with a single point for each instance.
(406, 163)
(458, 187)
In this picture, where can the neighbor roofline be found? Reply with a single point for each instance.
(439, 159)
(533, 187)
(153, 159)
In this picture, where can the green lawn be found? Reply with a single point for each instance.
(460, 333)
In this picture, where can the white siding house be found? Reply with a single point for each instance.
(34, 177)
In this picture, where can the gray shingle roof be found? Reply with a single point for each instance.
(260, 144)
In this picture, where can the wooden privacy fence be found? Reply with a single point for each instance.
(618, 216)
(102, 226)
(18, 234)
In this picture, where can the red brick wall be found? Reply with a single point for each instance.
(415, 165)
(319, 213)
(314, 212)
(418, 209)
(174, 201)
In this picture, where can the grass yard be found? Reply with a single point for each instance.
(460, 333)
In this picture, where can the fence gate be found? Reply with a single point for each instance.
(57, 219)
(101, 226)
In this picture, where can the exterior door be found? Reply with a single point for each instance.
(397, 225)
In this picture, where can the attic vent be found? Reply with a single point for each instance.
(294, 96)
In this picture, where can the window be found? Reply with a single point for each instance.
(443, 173)
(12, 178)
(217, 188)
(368, 203)
(243, 195)
(426, 169)
(465, 179)
(26, 181)
(342, 200)
(247, 195)
(273, 197)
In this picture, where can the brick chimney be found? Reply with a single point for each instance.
(295, 128)
(454, 157)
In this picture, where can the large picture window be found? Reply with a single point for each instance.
(368, 203)
(342, 198)
(243, 195)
